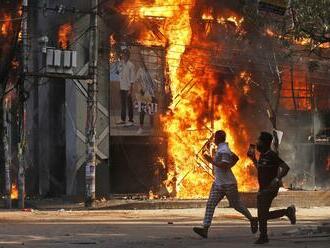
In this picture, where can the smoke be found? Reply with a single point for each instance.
(317, 123)
(303, 150)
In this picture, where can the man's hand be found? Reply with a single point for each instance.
(252, 155)
(253, 158)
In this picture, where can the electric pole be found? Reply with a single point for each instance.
(91, 109)
(7, 149)
(21, 115)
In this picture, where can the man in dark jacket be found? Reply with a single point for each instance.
(271, 169)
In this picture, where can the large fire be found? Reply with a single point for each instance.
(203, 100)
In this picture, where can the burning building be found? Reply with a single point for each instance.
(212, 69)
(218, 73)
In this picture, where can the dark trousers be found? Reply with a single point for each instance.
(264, 201)
(126, 102)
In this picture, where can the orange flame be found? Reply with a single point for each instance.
(269, 32)
(325, 45)
(300, 41)
(303, 41)
(112, 42)
(64, 35)
(14, 63)
(247, 78)
(301, 91)
(6, 26)
(193, 80)
(209, 16)
(14, 191)
(237, 21)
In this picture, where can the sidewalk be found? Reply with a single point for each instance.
(305, 199)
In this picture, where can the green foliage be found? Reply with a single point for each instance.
(304, 28)
(311, 20)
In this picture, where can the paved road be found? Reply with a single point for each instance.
(148, 228)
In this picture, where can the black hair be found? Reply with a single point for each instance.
(266, 138)
(219, 136)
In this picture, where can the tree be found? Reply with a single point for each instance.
(311, 19)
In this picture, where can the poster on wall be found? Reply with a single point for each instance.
(137, 85)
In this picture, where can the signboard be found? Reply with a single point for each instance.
(147, 96)
(275, 6)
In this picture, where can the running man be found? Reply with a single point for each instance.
(271, 169)
(225, 184)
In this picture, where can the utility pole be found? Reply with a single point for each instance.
(91, 109)
(212, 110)
(21, 116)
(7, 149)
(314, 130)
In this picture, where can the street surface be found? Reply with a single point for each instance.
(151, 228)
